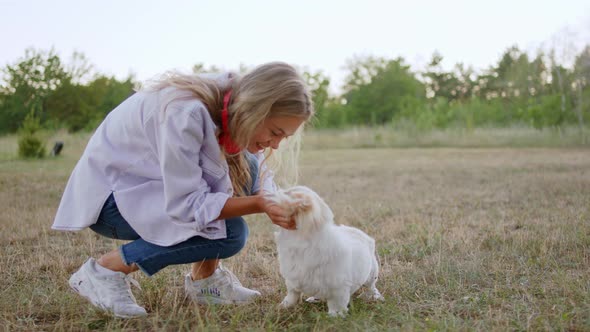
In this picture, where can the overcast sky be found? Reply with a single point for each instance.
(148, 37)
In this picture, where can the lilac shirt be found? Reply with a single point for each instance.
(157, 152)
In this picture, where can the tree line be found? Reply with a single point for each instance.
(518, 90)
(537, 91)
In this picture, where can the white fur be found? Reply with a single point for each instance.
(321, 259)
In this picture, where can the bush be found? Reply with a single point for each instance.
(29, 143)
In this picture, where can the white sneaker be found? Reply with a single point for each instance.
(112, 292)
(222, 287)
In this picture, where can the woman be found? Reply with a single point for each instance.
(173, 169)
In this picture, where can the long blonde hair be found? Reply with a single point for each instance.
(272, 89)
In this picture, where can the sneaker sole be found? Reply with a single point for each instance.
(74, 282)
(216, 300)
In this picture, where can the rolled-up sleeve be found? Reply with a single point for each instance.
(187, 196)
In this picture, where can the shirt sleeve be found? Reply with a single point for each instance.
(187, 196)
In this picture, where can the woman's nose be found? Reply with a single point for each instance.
(274, 143)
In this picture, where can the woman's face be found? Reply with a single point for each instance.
(272, 131)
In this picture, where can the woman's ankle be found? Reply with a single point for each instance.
(114, 262)
(200, 276)
(203, 270)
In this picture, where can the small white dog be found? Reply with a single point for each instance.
(321, 259)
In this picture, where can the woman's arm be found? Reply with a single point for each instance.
(241, 206)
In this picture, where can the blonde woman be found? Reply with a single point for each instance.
(173, 169)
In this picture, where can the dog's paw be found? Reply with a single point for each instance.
(338, 313)
(286, 304)
(372, 295)
(312, 299)
(377, 297)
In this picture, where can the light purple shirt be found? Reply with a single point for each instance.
(158, 154)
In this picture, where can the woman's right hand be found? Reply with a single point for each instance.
(278, 215)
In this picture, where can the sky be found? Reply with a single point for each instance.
(146, 38)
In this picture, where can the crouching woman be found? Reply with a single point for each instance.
(173, 169)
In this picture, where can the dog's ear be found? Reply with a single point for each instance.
(301, 202)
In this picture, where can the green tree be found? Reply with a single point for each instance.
(465, 82)
(438, 82)
(319, 84)
(79, 68)
(29, 83)
(29, 143)
(581, 86)
(378, 89)
(83, 107)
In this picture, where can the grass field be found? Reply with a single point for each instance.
(469, 239)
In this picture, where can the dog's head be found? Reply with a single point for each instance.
(309, 209)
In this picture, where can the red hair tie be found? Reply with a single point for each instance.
(224, 139)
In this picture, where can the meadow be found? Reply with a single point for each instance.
(472, 233)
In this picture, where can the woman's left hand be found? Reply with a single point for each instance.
(278, 215)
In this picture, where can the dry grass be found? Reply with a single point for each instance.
(469, 239)
(388, 136)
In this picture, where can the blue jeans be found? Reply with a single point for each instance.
(151, 258)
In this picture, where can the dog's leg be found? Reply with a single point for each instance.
(291, 299)
(338, 303)
(372, 293)
(375, 294)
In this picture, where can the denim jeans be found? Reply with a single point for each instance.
(151, 258)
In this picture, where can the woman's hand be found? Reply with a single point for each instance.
(278, 215)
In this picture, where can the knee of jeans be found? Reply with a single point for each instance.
(237, 236)
(104, 230)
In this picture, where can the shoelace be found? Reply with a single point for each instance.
(130, 281)
(120, 289)
(234, 280)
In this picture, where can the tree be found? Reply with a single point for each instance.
(200, 68)
(378, 89)
(440, 83)
(319, 84)
(29, 83)
(79, 68)
(29, 143)
(465, 82)
(558, 74)
(83, 107)
(581, 85)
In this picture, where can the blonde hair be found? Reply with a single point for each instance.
(272, 89)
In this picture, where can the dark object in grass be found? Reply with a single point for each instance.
(57, 148)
